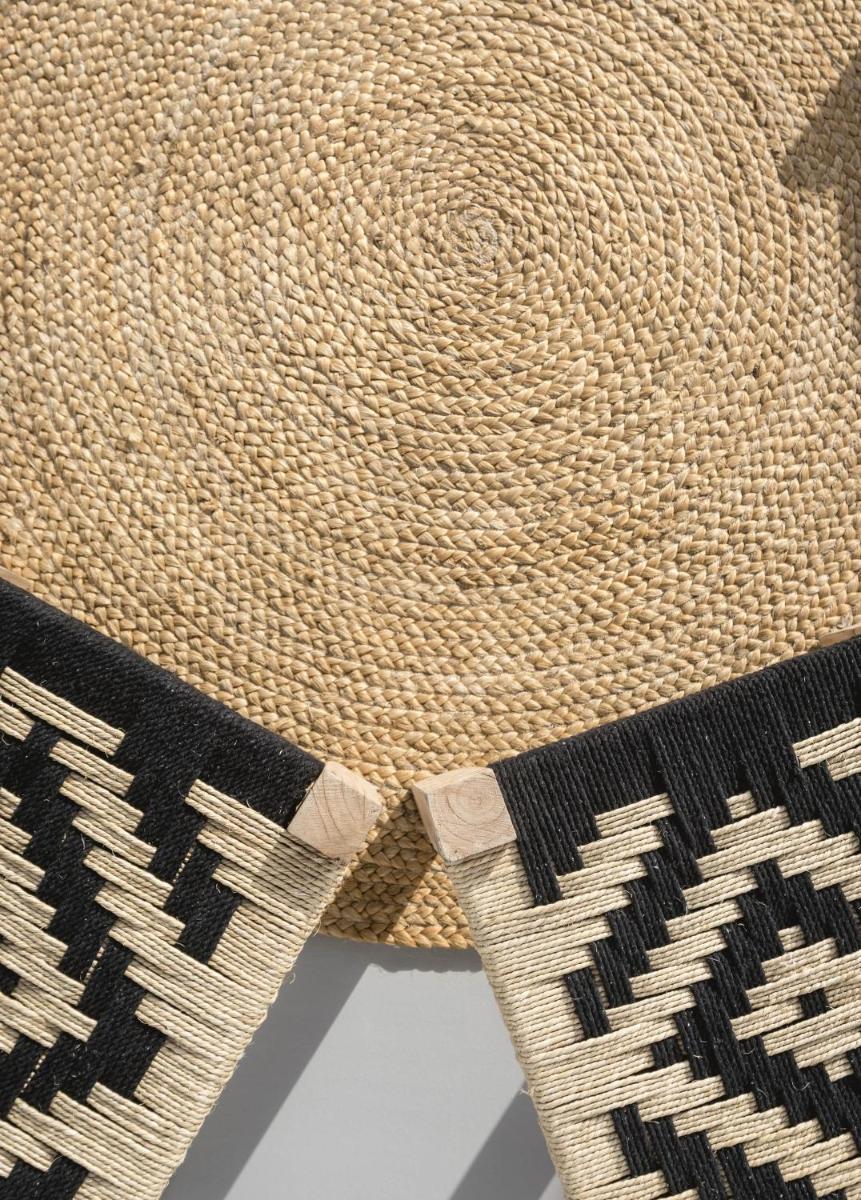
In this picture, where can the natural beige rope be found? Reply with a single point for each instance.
(431, 380)
(130, 1145)
(577, 1082)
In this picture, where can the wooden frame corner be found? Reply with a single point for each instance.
(464, 812)
(339, 809)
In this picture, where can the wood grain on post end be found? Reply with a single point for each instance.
(464, 812)
(337, 812)
(840, 635)
(14, 578)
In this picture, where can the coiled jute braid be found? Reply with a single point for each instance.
(428, 381)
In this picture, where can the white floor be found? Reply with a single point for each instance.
(380, 1073)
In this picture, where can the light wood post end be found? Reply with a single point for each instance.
(464, 812)
(339, 809)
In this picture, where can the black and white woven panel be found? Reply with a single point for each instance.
(675, 940)
(151, 900)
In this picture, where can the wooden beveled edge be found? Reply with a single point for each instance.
(14, 578)
(835, 636)
(339, 809)
(464, 812)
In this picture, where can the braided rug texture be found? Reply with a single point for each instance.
(429, 381)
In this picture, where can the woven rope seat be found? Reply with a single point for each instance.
(162, 861)
(668, 908)
(428, 381)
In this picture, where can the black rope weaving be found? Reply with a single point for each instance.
(726, 826)
(169, 737)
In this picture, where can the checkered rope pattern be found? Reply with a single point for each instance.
(675, 940)
(151, 901)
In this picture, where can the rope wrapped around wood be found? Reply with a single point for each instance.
(153, 894)
(673, 932)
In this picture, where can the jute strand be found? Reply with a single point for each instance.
(433, 380)
(685, 1003)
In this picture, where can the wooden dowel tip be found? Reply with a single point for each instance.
(464, 812)
(337, 813)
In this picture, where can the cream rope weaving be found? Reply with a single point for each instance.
(674, 937)
(152, 899)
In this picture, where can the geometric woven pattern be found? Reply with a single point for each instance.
(151, 901)
(675, 940)
(475, 373)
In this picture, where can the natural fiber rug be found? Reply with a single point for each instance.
(162, 861)
(674, 936)
(429, 381)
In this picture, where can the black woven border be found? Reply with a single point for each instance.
(733, 739)
(701, 749)
(174, 733)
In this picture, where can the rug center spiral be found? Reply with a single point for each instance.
(430, 381)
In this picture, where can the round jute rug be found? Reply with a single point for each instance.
(431, 380)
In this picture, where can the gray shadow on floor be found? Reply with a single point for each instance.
(403, 958)
(308, 1003)
(307, 1006)
(513, 1162)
